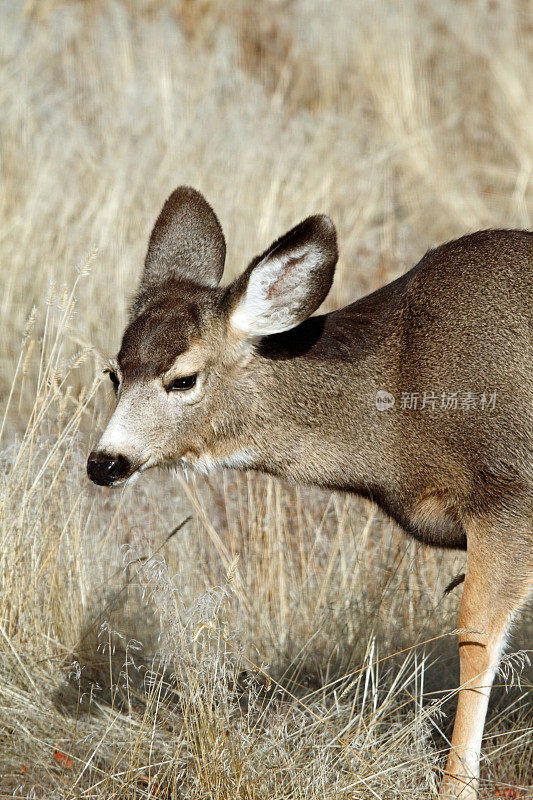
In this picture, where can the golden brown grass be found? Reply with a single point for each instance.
(274, 645)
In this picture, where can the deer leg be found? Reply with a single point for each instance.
(499, 578)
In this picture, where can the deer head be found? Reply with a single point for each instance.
(186, 364)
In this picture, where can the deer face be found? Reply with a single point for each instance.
(185, 365)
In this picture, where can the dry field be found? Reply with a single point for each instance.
(232, 637)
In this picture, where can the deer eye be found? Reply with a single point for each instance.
(113, 377)
(182, 384)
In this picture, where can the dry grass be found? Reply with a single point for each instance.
(299, 670)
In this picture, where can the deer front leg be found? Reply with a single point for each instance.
(497, 582)
(479, 653)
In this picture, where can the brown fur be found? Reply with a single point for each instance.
(301, 403)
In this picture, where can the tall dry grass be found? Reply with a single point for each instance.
(231, 637)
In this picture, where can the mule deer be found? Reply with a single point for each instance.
(243, 376)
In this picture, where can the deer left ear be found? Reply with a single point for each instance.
(187, 242)
(287, 283)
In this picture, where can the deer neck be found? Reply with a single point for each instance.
(315, 418)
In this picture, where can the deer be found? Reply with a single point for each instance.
(248, 376)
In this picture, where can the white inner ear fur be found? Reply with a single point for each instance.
(276, 292)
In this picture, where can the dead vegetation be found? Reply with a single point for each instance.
(282, 643)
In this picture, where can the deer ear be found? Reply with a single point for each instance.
(286, 284)
(186, 242)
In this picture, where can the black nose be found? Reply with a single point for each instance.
(104, 469)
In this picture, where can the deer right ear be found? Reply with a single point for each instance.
(186, 242)
(286, 284)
